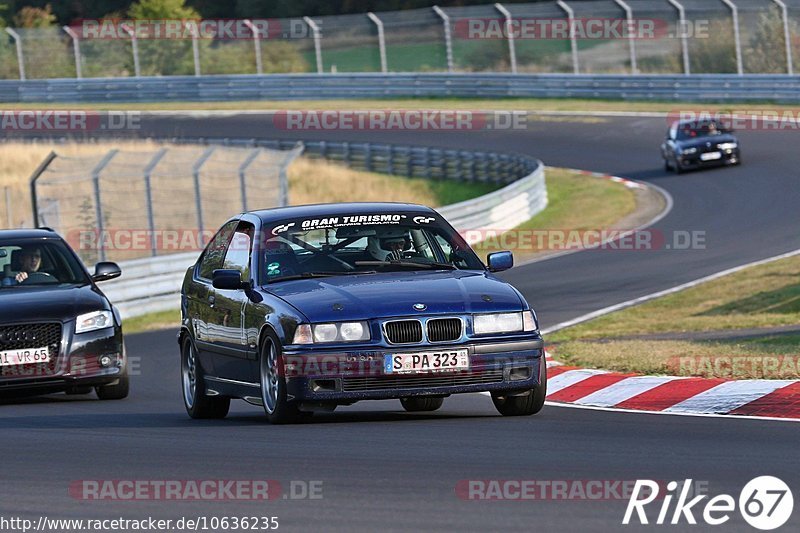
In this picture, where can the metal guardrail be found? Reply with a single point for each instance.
(699, 87)
(153, 284)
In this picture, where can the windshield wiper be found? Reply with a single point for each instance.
(310, 275)
(407, 264)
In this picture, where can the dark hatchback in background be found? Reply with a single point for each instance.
(58, 331)
(305, 308)
(694, 144)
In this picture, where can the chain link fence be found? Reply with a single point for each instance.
(124, 205)
(562, 36)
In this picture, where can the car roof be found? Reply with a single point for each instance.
(14, 234)
(326, 210)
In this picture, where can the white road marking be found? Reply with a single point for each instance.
(671, 413)
(728, 396)
(569, 378)
(623, 390)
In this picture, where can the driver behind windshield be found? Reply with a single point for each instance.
(30, 260)
(389, 245)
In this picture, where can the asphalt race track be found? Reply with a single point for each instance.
(384, 469)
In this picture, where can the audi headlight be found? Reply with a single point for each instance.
(727, 146)
(331, 332)
(497, 323)
(93, 321)
(689, 151)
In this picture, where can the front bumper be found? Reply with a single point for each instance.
(358, 374)
(727, 157)
(78, 364)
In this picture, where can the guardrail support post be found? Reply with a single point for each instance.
(787, 36)
(243, 176)
(256, 46)
(198, 199)
(148, 191)
(448, 38)
(631, 34)
(135, 47)
(98, 205)
(509, 24)
(381, 39)
(76, 49)
(736, 37)
(317, 42)
(20, 56)
(573, 42)
(687, 69)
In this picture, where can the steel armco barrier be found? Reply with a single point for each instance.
(153, 284)
(691, 88)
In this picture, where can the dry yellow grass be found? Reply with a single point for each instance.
(310, 180)
(314, 180)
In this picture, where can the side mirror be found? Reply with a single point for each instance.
(226, 279)
(500, 261)
(106, 270)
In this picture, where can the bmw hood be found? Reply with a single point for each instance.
(702, 142)
(365, 296)
(48, 303)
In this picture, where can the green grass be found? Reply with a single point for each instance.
(152, 321)
(761, 296)
(758, 297)
(576, 202)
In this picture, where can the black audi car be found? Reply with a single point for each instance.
(693, 144)
(58, 331)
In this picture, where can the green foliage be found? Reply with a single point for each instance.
(766, 53)
(34, 17)
(715, 54)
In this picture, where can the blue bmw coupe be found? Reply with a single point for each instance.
(301, 309)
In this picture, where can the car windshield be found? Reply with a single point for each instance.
(355, 244)
(693, 130)
(38, 262)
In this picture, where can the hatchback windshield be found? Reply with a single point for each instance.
(693, 130)
(38, 262)
(362, 243)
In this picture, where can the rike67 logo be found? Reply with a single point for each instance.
(765, 503)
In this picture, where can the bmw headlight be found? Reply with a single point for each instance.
(331, 332)
(93, 321)
(503, 322)
(687, 151)
(728, 146)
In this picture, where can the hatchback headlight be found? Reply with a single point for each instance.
(688, 151)
(93, 321)
(496, 323)
(331, 332)
(727, 146)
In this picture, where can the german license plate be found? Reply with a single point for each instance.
(710, 156)
(24, 356)
(424, 362)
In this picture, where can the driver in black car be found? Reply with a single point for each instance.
(30, 262)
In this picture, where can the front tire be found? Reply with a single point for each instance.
(118, 391)
(273, 384)
(197, 403)
(527, 405)
(420, 405)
